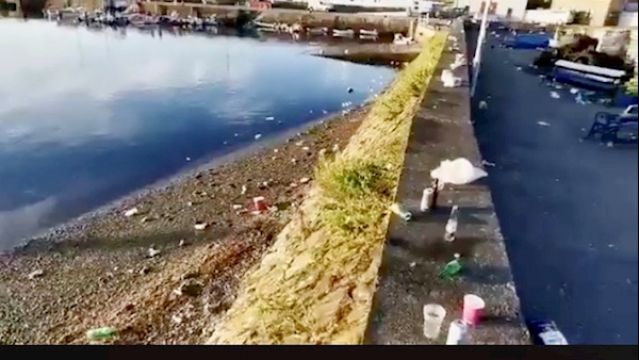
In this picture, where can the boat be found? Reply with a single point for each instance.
(266, 26)
(210, 21)
(317, 31)
(400, 39)
(368, 34)
(587, 76)
(343, 33)
(140, 20)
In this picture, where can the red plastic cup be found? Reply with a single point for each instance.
(473, 309)
(260, 204)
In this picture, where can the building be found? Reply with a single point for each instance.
(508, 9)
(602, 12)
(373, 4)
(10, 8)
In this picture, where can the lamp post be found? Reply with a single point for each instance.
(480, 42)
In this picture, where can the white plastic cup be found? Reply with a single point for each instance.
(434, 315)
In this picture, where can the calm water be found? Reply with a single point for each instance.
(87, 116)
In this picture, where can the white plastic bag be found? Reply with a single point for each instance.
(449, 79)
(457, 172)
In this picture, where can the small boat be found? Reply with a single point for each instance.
(317, 31)
(368, 34)
(210, 21)
(343, 33)
(266, 26)
(400, 39)
(139, 20)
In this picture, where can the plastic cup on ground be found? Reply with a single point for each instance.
(473, 309)
(457, 333)
(433, 318)
(260, 204)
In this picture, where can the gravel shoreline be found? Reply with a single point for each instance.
(152, 276)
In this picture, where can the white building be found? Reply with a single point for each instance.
(509, 9)
(380, 4)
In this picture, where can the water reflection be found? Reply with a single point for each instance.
(87, 116)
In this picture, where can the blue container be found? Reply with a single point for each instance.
(528, 41)
(624, 100)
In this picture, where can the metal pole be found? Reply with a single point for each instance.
(480, 43)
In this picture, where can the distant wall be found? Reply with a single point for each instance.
(628, 19)
(547, 16)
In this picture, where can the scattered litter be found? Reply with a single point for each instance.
(36, 274)
(276, 150)
(574, 90)
(483, 105)
(579, 99)
(257, 136)
(187, 158)
(200, 225)
(131, 212)
(182, 243)
(322, 152)
(457, 333)
(555, 95)
(306, 148)
(451, 224)
(449, 79)
(236, 206)
(145, 270)
(292, 185)
(146, 219)
(473, 309)
(412, 264)
(299, 143)
(434, 315)
(546, 333)
(335, 148)
(153, 252)
(457, 172)
(294, 161)
(558, 87)
(610, 144)
(427, 199)
(244, 189)
(398, 210)
(259, 204)
(542, 123)
(269, 118)
(103, 333)
(236, 134)
(176, 319)
(346, 104)
(324, 112)
(304, 180)
(350, 90)
(487, 163)
(189, 287)
(452, 269)
(518, 68)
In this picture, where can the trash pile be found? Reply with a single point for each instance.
(459, 171)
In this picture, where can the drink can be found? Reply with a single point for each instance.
(457, 333)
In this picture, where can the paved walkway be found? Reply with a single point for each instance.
(568, 209)
(416, 252)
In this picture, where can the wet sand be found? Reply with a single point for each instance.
(99, 270)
